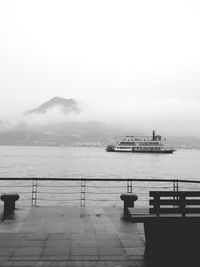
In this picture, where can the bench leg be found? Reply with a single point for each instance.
(172, 241)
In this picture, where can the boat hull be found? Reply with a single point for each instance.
(150, 152)
(167, 151)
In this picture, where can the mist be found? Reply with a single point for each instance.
(167, 116)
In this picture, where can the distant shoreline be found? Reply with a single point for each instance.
(48, 145)
(84, 145)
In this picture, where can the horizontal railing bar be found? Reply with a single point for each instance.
(25, 193)
(52, 186)
(59, 186)
(94, 179)
(155, 187)
(90, 186)
(100, 187)
(189, 187)
(103, 193)
(63, 193)
(21, 194)
(103, 200)
(99, 179)
(18, 186)
(65, 200)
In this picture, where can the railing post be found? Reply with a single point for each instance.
(175, 188)
(182, 200)
(157, 204)
(175, 185)
(129, 186)
(83, 192)
(34, 193)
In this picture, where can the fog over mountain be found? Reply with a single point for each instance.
(61, 121)
(58, 121)
(66, 105)
(134, 115)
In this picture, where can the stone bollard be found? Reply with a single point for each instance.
(9, 202)
(129, 199)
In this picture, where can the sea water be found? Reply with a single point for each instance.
(93, 162)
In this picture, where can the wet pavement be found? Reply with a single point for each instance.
(70, 236)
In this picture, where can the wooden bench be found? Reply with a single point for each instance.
(171, 225)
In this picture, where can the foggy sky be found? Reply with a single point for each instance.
(130, 62)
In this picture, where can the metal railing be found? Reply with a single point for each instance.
(87, 191)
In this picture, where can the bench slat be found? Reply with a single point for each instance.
(174, 210)
(174, 205)
(164, 210)
(170, 202)
(174, 193)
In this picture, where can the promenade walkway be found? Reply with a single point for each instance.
(70, 236)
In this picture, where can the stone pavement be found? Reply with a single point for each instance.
(70, 236)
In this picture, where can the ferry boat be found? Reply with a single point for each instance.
(142, 144)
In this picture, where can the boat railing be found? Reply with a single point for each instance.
(134, 138)
(87, 191)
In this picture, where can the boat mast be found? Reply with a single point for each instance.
(154, 135)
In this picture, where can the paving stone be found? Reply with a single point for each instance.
(36, 236)
(54, 258)
(31, 244)
(84, 238)
(23, 264)
(83, 258)
(113, 258)
(89, 264)
(10, 236)
(28, 252)
(128, 236)
(58, 236)
(136, 257)
(6, 251)
(4, 258)
(5, 264)
(84, 251)
(103, 251)
(58, 243)
(134, 251)
(78, 263)
(25, 258)
(108, 238)
(84, 245)
(109, 243)
(56, 251)
(53, 264)
(132, 244)
(10, 243)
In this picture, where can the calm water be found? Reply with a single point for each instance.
(81, 162)
(96, 162)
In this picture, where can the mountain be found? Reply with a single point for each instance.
(52, 126)
(56, 128)
(67, 105)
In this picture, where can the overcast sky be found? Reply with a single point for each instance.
(128, 59)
